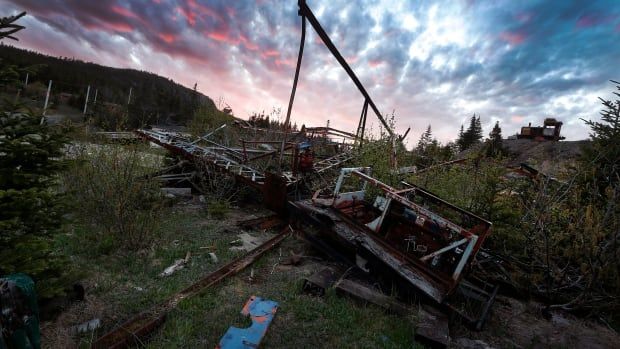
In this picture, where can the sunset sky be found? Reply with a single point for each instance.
(431, 62)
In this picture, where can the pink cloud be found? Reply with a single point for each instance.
(124, 12)
(591, 20)
(374, 63)
(110, 26)
(168, 38)
(221, 37)
(285, 62)
(351, 59)
(513, 38)
(270, 53)
(247, 43)
(517, 118)
(190, 16)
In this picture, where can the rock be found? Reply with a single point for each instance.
(213, 257)
(467, 343)
(86, 326)
(181, 192)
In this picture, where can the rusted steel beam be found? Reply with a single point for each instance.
(452, 162)
(329, 130)
(134, 331)
(305, 11)
(266, 222)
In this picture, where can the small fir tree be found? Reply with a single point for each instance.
(30, 209)
(494, 143)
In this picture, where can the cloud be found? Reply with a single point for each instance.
(434, 62)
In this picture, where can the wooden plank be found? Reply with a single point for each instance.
(362, 292)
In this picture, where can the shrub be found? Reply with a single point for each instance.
(207, 117)
(111, 190)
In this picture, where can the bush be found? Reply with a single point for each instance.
(111, 190)
(208, 117)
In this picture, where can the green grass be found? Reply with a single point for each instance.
(302, 321)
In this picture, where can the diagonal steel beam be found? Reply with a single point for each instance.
(305, 11)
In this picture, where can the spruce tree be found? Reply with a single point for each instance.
(425, 139)
(601, 158)
(494, 144)
(460, 141)
(30, 209)
(473, 134)
(477, 131)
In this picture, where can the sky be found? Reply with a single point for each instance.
(426, 62)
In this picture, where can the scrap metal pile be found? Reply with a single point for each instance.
(405, 237)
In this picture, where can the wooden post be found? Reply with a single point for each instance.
(47, 97)
(86, 100)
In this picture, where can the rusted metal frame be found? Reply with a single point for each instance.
(487, 308)
(444, 249)
(294, 88)
(362, 126)
(405, 134)
(429, 195)
(326, 164)
(270, 153)
(324, 131)
(352, 234)
(471, 292)
(266, 130)
(344, 172)
(471, 242)
(451, 162)
(236, 153)
(376, 224)
(192, 152)
(391, 194)
(305, 11)
(266, 222)
(208, 134)
(137, 328)
(359, 124)
(414, 271)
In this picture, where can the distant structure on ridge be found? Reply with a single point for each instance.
(550, 131)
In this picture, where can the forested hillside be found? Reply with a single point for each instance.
(154, 99)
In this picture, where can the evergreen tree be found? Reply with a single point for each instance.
(30, 209)
(428, 150)
(601, 158)
(473, 134)
(494, 144)
(425, 139)
(460, 141)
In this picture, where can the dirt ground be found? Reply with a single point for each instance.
(516, 324)
(120, 285)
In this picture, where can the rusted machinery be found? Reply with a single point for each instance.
(408, 233)
(235, 162)
(550, 131)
